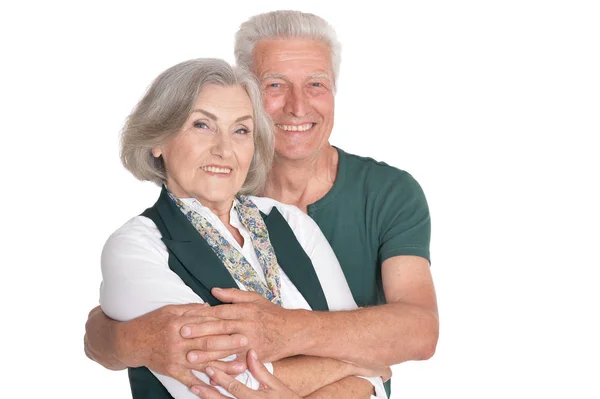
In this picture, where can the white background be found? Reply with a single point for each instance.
(494, 106)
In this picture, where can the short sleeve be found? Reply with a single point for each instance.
(403, 219)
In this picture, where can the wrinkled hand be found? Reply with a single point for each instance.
(154, 340)
(385, 372)
(97, 342)
(270, 386)
(270, 329)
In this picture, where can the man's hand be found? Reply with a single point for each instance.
(270, 386)
(154, 340)
(98, 341)
(270, 329)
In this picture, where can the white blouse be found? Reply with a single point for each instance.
(137, 278)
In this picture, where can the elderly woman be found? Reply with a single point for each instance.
(201, 133)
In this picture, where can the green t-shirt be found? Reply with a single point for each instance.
(373, 212)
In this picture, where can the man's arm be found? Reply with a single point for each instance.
(272, 387)
(406, 328)
(349, 387)
(306, 375)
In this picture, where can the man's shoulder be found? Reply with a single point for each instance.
(374, 173)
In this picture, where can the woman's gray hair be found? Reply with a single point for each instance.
(283, 24)
(167, 104)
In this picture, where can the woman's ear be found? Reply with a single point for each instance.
(156, 152)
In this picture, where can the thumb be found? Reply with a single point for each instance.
(233, 295)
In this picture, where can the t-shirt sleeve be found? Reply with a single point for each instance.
(403, 219)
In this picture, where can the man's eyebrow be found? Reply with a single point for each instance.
(214, 117)
(273, 76)
(319, 76)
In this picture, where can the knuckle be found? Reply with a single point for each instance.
(211, 344)
(203, 358)
(172, 370)
(234, 387)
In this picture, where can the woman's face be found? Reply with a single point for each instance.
(208, 159)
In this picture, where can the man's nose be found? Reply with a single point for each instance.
(296, 103)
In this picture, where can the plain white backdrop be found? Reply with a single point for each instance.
(494, 106)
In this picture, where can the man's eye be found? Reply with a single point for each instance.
(316, 84)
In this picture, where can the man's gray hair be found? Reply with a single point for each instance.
(285, 24)
(166, 106)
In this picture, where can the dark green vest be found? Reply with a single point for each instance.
(198, 266)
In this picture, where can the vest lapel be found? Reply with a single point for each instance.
(201, 269)
(193, 253)
(294, 261)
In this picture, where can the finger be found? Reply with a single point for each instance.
(190, 326)
(216, 343)
(201, 357)
(230, 384)
(233, 295)
(190, 380)
(259, 371)
(216, 327)
(207, 393)
(233, 368)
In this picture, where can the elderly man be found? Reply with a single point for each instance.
(374, 216)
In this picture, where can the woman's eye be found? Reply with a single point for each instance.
(201, 125)
(242, 131)
(275, 85)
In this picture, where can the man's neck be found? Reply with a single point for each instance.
(302, 182)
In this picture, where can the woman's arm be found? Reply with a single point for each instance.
(137, 280)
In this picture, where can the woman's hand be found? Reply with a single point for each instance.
(270, 386)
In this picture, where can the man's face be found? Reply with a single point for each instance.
(297, 84)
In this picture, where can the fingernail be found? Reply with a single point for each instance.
(253, 354)
(244, 341)
(186, 332)
(209, 371)
(195, 390)
(192, 357)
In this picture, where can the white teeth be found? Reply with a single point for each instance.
(295, 128)
(214, 169)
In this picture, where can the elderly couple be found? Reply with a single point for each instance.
(312, 289)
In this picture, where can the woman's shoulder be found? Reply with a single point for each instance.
(138, 231)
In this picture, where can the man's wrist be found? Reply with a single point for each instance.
(305, 327)
(120, 336)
